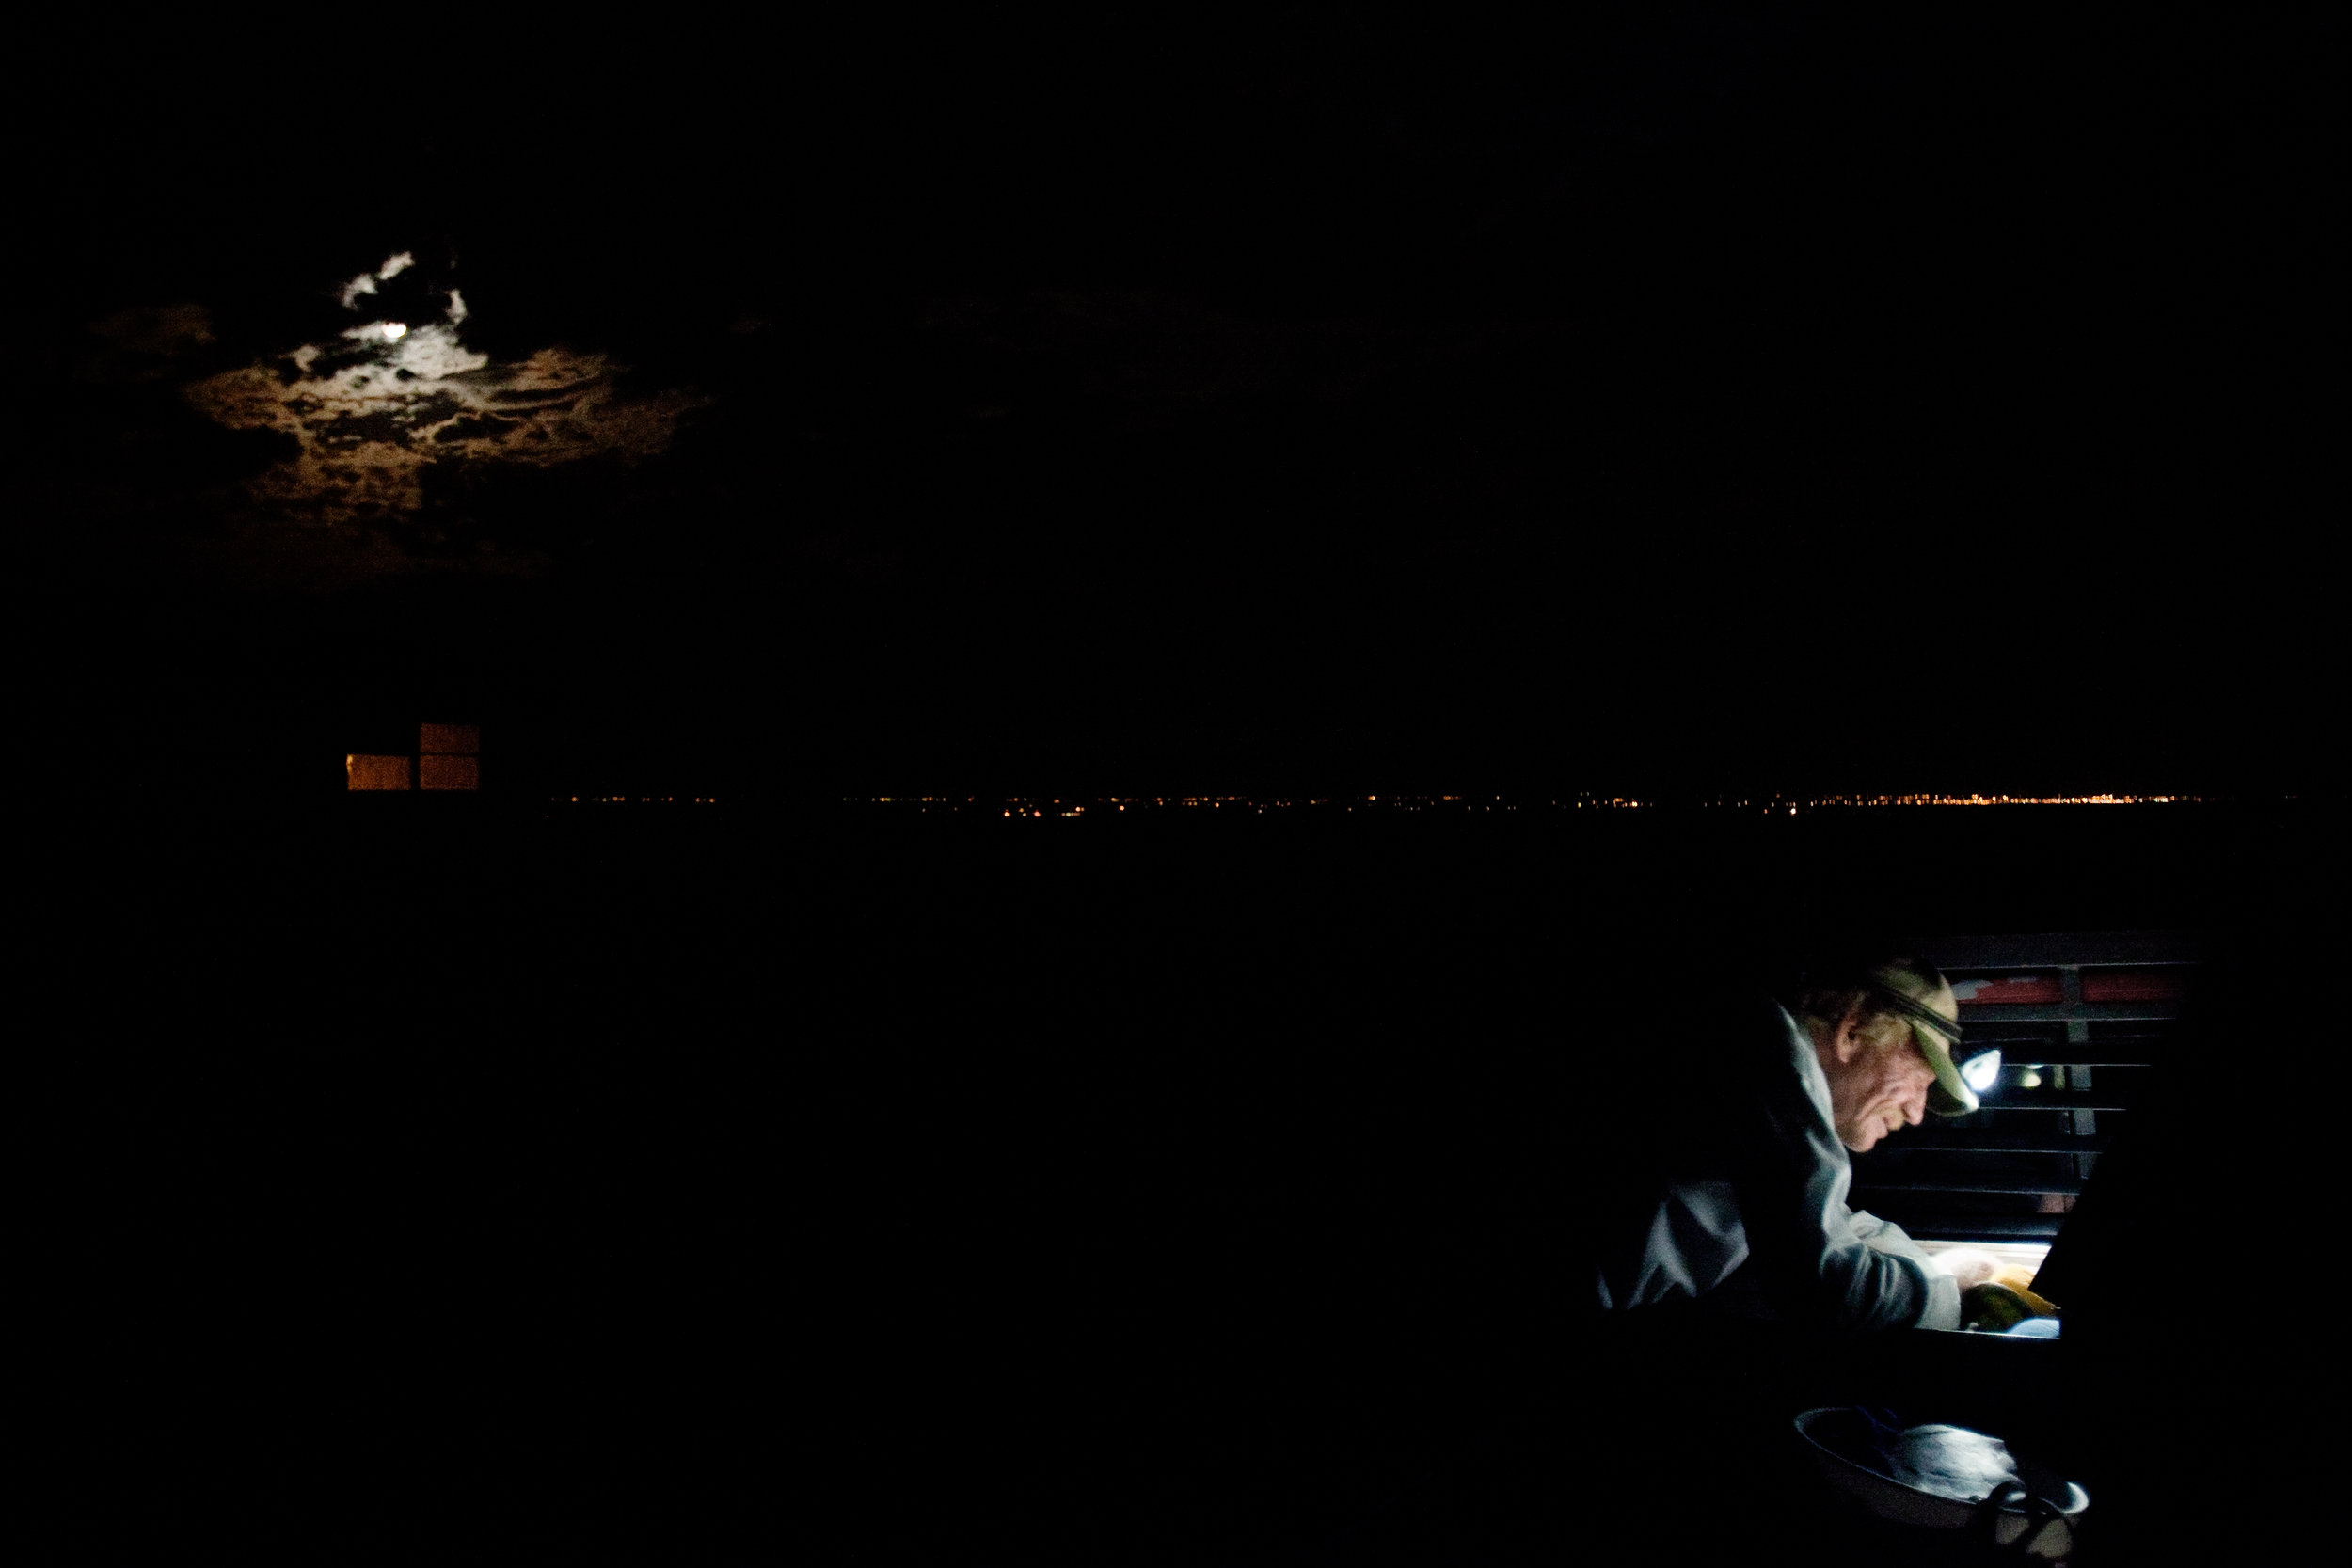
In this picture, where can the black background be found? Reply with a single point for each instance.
(1695, 402)
(1170, 1190)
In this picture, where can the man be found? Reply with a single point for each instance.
(1737, 1197)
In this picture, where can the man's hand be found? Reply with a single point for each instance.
(1996, 1307)
(1967, 1264)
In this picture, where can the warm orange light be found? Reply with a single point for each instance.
(446, 772)
(366, 772)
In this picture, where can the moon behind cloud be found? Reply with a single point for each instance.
(372, 413)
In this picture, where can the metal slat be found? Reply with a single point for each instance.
(2060, 1100)
(1987, 1228)
(2056, 1058)
(1991, 1013)
(2063, 1186)
(2062, 1055)
(1923, 1140)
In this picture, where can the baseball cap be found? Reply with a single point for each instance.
(1953, 1093)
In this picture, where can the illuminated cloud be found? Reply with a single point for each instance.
(373, 411)
(365, 283)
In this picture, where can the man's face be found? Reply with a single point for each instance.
(1878, 1080)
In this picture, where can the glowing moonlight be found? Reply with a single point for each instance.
(372, 414)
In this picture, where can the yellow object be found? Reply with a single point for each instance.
(2000, 1307)
(2042, 1307)
(2019, 1278)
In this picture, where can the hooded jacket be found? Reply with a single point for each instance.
(1740, 1202)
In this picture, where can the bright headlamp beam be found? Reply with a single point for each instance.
(1979, 1071)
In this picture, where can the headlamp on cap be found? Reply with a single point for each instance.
(1958, 1078)
(1981, 1068)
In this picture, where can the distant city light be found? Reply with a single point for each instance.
(1040, 806)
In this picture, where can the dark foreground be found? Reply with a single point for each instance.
(687, 1189)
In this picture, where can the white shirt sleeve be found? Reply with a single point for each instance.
(1793, 1175)
(1882, 1236)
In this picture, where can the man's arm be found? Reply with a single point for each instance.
(1813, 1259)
(1883, 1236)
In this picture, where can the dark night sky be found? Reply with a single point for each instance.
(1698, 402)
